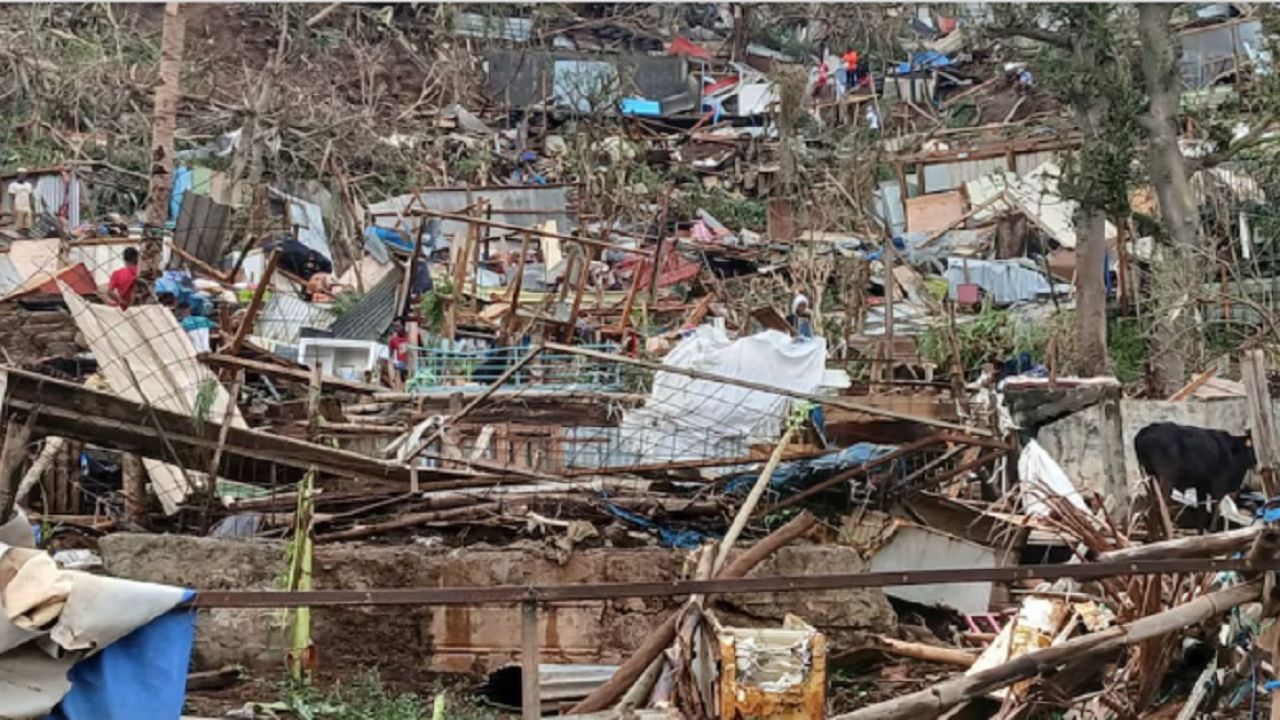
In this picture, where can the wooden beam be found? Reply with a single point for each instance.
(328, 382)
(199, 264)
(1189, 389)
(255, 303)
(71, 410)
(819, 399)
(602, 244)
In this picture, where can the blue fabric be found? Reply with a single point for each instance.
(641, 106)
(183, 179)
(142, 675)
(390, 236)
(796, 475)
(1106, 272)
(924, 61)
(679, 539)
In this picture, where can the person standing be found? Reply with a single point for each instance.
(120, 287)
(22, 192)
(398, 344)
(850, 69)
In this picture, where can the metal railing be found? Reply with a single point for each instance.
(461, 370)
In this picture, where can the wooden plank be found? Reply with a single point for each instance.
(934, 212)
(328, 382)
(255, 303)
(1189, 389)
(71, 410)
(1253, 370)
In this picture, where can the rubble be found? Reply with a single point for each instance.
(614, 298)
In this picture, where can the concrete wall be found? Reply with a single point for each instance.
(1077, 442)
(407, 643)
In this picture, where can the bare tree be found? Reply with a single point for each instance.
(163, 127)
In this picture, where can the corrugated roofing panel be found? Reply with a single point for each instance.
(522, 206)
(372, 316)
(284, 316)
(199, 230)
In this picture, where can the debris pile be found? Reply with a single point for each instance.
(781, 313)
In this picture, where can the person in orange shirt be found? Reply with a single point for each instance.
(850, 69)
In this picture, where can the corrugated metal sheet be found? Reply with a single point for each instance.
(50, 191)
(949, 176)
(372, 316)
(491, 27)
(284, 316)
(549, 201)
(201, 224)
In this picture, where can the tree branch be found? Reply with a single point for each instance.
(1256, 137)
(1031, 32)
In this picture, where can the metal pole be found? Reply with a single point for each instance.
(530, 698)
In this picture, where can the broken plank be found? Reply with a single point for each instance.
(255, 303)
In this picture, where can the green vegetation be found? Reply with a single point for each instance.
(367, 698)
(991, 336)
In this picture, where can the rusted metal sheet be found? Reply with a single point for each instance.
(773, 673)
(200, 226)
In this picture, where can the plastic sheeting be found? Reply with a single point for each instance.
(1006, 281)
(75, 646)
(796, 475)
(689, 419)
(1041, 474)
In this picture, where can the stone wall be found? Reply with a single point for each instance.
(408, 642)
(1077, 441)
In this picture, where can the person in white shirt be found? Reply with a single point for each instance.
(21, 191)
(873, 119)
(800, 314)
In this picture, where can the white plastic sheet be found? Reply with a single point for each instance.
(1041, 474)
(78, 613)
(688, 419)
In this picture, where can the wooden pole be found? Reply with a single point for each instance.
(653, 646)
(512, 319)
(753, 498)
(921, 651)
(819, 399)
(11, 456)
(255, 303)
(1253, 370)
(530, 695)
(584, 271)
(656, 269)
(936, 699)
(1187, 547)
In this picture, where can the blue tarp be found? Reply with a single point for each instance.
(142, 675)
(183, 180)
(680, 539)
(641, 106)
(925, 60)
(796, 475)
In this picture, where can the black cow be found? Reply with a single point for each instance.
(1181, 457)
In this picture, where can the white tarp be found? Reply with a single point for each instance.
(1041, 474)
(53, 618)
(689, 419)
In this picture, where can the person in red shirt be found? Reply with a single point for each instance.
(398, 344)
(120, 288)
